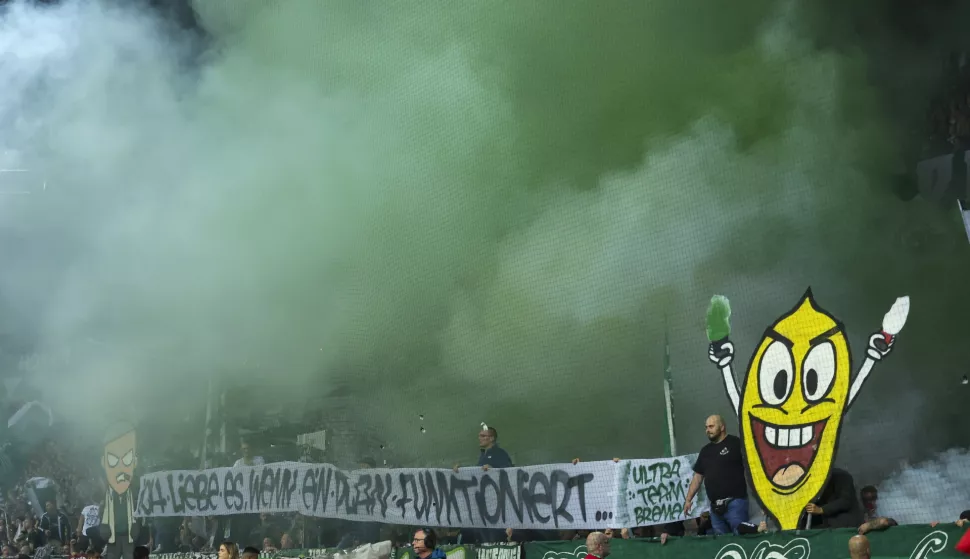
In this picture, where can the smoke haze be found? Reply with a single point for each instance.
(471, 213)
(930, 491)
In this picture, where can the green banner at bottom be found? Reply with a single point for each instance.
(900, 542)
(486, 551)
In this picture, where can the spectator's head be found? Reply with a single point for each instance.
(424, 542)
(29, 523)
(487, 437)
(245, 449)
(141, 552)
(714, 426)
(51, 508)
(367, 462)
(286, 542)
(228, 550)
(965, 515)
(7, 551)
(119, 458)
(598, 544)
(250, 553)
(859, 547)
(268, 544)
(869, 496)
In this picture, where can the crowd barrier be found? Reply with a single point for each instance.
(900, 542)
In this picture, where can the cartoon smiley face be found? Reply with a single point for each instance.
(119, 462)
(795, 394)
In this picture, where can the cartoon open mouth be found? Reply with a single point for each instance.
(786, 451)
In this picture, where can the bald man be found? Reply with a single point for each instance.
(720, 467)
(597, 546)
(859, 547)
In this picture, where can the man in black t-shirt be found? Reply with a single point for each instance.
(720, 466)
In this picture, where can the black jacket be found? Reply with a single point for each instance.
(839, 503)
(58, 525)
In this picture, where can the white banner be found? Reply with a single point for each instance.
(587, 495)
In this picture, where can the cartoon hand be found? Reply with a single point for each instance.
(878, 347)
(723, 356)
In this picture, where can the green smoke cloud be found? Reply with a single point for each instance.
(481, 212)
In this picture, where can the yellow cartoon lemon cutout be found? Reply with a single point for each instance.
(794, 396)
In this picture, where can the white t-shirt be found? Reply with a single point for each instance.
(92, 517)
(257, 461)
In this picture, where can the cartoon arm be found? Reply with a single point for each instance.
(722, 356)
(873, 354)
(881, 343)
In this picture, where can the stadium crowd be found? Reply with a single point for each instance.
(68, 522)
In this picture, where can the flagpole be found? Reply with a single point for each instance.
(965, 215)
(669, 398)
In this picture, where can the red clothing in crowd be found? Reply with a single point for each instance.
(964, 543)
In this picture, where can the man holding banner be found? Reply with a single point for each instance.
(491, 456)
(720, 467)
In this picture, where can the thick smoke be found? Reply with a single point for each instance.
(933, 491)
(467, 212)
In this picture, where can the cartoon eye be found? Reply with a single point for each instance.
(112, 460)
(818, 372)
(128, 458)
(775, 374)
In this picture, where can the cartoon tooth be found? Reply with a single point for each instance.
(794, 395)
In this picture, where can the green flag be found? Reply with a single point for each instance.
(670, 442)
